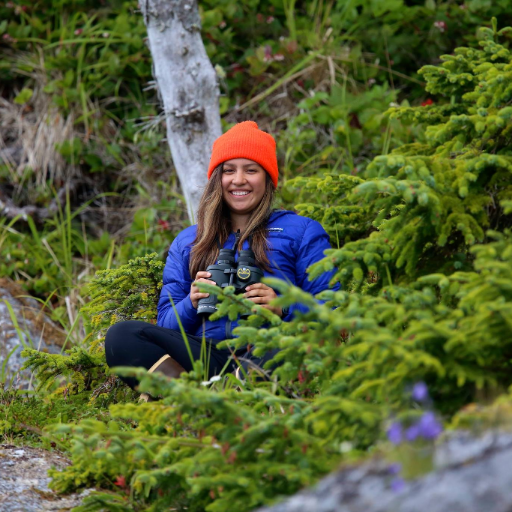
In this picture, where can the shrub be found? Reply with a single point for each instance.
(130, 291)
(424, 205)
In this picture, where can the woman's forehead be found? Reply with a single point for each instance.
(241, 162)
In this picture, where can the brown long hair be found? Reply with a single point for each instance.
(214, 223)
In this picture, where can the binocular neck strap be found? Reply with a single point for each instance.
(237, 238)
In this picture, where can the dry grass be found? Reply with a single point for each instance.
(29, 136)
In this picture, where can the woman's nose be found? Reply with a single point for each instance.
(239, 177)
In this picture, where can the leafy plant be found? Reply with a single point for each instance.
(131, 291)
(340, 131)
(427, 203)
(22, 414)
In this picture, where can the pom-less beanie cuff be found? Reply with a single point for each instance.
(246, 140)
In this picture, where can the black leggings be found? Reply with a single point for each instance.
(136, 343)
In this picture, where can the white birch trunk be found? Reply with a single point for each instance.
(188, 87)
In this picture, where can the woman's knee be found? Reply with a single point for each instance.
(125, 328)
(119, 336)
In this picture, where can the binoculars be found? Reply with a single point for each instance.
(227, 272)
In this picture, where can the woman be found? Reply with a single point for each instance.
(242, 176)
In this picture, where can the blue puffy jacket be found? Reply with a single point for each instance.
(295, 243)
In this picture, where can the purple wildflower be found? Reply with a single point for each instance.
(395, 432)
(395, 468)
(397, 484)
(420, 392)
(413, 432)
(429, 427)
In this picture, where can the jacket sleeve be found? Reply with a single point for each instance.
(311, 249)
(176, 284)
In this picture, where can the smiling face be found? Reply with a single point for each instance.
(243, 185)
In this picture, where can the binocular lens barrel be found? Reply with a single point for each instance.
(226, 256)
(247, 258)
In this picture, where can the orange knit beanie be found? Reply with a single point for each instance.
(246, 140)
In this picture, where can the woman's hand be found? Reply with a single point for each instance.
(262, 294)
(195, 294)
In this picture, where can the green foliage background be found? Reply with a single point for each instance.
(411, 179)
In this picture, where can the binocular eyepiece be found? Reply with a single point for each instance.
(227, 272)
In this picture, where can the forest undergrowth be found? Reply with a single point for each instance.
(408, 172)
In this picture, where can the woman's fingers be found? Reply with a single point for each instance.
(259, 300)
(260, 291)
(203, 280)
(254, 293)
(195, 293)
(259, 286)
(194, 288)
(202, 276)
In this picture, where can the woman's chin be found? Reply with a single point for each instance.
(240, 209)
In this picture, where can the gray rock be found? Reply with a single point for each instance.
(35, 329)
(471, 475)
(24, 481)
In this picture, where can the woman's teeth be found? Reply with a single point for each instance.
(239, 193)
